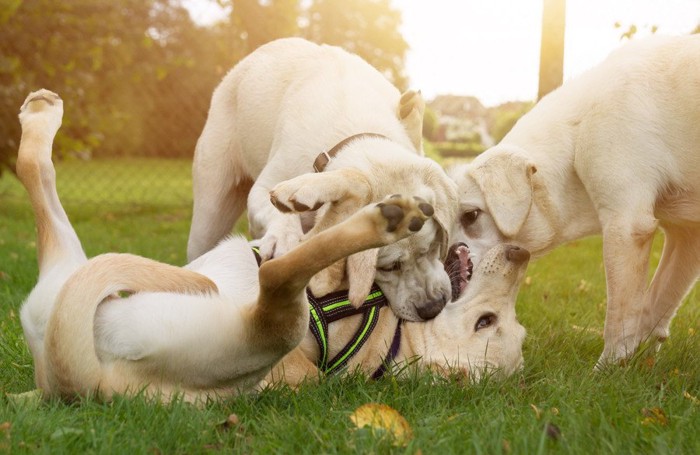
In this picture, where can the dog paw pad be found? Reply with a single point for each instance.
(415, 225)
(393, 214)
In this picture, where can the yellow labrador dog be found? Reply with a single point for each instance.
(120, 323)
(292, 107)
(616, 151)
(475, 334)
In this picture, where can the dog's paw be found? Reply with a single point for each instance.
(399, 216)
(281, 236)
(42, 111)
(297, 195)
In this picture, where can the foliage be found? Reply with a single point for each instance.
(262, 22)
(368, 28)
(431, 124)
(139, 73)
(504, 120)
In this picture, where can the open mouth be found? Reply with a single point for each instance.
(459, 268)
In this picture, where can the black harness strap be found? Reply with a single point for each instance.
(333, 307)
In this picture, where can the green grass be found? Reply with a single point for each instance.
(562, 307)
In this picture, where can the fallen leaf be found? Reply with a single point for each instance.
(538, 411)
(691, 331)
(5, 427)
(30, 399)
(693, 399)
(383, 419)
(528, 281)
(554, 411)
(231, 421)
(649, 362)
(505, 444)
(654, 416)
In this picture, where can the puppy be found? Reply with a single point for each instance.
(120, 323)
(292, 106)
(615, 151)
(477, 333)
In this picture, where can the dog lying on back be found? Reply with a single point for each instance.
(124, 324)
(476, 334)
(615, 151)
(291, 107)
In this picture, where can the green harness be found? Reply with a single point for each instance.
(335, 306)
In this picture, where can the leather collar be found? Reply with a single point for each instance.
(324, 158)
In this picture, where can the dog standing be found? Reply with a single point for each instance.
(292, 106)
(120, 323)
(615, 151)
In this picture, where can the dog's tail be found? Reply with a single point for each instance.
(73, 365)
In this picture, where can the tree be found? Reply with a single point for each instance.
(368, 28)
(137, 74)
(552, 46)
(262, 22)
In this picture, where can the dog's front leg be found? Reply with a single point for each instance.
(279, 321)
(344, 191)
(626, 249)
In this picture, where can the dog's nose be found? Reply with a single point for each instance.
(516, 254)
(431, 309)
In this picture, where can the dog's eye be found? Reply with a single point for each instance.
(392, 268)
(486, 320)
(468, 218)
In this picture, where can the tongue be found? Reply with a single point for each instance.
(458, 268)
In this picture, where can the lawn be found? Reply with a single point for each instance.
(557, 404)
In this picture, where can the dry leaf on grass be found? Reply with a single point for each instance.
(27, 400)
(654, 416)
(693, 399)
(382, 419)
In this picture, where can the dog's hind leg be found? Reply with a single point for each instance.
(410, 112)
(40, 117)
(677, 272)
(59, 251)
(282, 307)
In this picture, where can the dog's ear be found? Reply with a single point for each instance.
(354, 267)
(445, 202)
(328, 279)
(361, 270)
(506, 184)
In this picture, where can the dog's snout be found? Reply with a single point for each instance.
(516, 254)
(431, 309)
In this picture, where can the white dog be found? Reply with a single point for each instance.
(616, 151)
(291, 107)
(120, 323)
